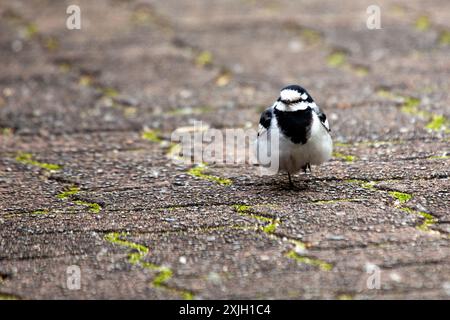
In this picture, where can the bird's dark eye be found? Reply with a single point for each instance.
(290, 102)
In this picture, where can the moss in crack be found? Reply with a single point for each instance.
(204, 58)
(369, 185)
(423, 23)
(198, 172)
(401, 197)
(39, 212)
(86, 80)
(5, 296)
(73, 190)
(324, 266)
(411, 105)
(337, 59)
(93, 207)
(109, 92)
(151, 135)
(7, 132)
(310, 36)
(136, 258)
(345, 296)
(223, 78)
(438, 123)
(27, 158)
(428, 219)
(270, 228)
(345, 157)
(442, 157)
(444, 38)
(31, 31)
(337, 201)
(173, 151)
(270, 224)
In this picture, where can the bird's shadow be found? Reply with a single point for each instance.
(278, 183)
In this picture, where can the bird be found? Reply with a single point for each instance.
(293, 133)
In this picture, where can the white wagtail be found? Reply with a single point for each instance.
(302, 131)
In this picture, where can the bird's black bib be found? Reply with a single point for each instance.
(295, 125)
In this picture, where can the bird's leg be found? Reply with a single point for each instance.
(308, 166)
(290, 181)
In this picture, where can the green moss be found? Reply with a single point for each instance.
(345, 157)
(151, 135)
(428, 221)
(438, 123)
(337, 59)
(270, 228)
(386, 94)
(401, 196)
(133, 258)
(70, 192)
(38, 212)
(336, 201)
(370, 185)
(173, 151)
(6, 132)
(410, 105)
(27, 158)
(199, 170)
(51, 44)
(93, 207)
(31, 30)
(271, 224)
(361, 71)
(65, 67)
(345, 297)
(164, 275)
(439, 157)
(86, 80)
(324, 266)
(242, 209)
(109, 92)
(342, 144)
(205, 58)
(136, 258)
(444, 38)
(310, 36)
(5, 296)
(423, 23)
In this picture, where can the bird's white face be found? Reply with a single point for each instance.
(292, 100)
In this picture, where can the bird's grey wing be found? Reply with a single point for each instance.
(322, 117)
(265, 121)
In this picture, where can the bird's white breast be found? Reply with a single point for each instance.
(292, 157)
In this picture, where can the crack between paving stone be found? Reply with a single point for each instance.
(136, 258)
(270, 224)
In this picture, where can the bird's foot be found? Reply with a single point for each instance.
(293, 186)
